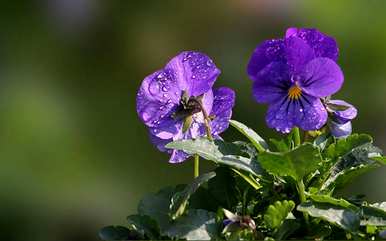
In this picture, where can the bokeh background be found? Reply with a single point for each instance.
(74, 156)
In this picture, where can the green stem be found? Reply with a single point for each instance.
(196, 165)
(206, 121)
(296, 136)
(302, 196)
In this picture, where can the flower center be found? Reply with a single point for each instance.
(294, 92)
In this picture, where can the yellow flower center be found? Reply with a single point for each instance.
(294, 92)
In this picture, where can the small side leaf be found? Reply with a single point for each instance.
(345, 218)
(256, 140)
(338, 202)
(180, 199)
(277, 213)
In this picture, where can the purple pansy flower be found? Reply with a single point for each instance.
(292, 74)
(171, 101)
(340, 123)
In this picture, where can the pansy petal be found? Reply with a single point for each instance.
(158, 95)
(196, 72)
(159, 143)
(167, 128)
(224, 100)
(343, 116)
(264, 54)
(271, 83)
(298, 53)
(340, 130)
(279, 116)
(178, 157)
(321, 77)
(310, 113)
(322, 44)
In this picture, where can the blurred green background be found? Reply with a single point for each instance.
(75, 157)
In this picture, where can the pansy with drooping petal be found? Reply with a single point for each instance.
(292, 74)
(340, 123)
(171, 101)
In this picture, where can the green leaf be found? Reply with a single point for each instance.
(355, 162)
(280, 145)
(144, 225)
(223, 187)
(345, 145)
(180, 199)
(380, 159)
(322, 141)
(277, 213)
(288, 227)
(256, 140)
(338, 202)
(116, 233)
(196, 225)
(218, 151)
(296, 163)
(374, 214)
(157, 206)
(345, 218)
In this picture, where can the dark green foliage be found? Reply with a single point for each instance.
(285, 191)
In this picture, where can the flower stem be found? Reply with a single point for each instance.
(196, 171)
(302, 196)
(206, 122)
(296, 133)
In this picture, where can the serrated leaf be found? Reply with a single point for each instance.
(196, 225)
(345, 145)
(277, 213)
(355, 162)
(255, 139)
(218, 151)
(296, 163)
(144, 225)
(345, 218)
(180, 199)
(115, 233)
(374, 214)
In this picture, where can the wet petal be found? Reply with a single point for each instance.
(321, 77)
(340, 130)
(159, 143)
(298, 53)
(158, 95)
(280, 116)
(344, 116)
(224, 100)
(323, 45)
(196, 72)
(309, 113)
(267, 52)
(178, 157)
(175, 155)
(167, 128)
(272, 83)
